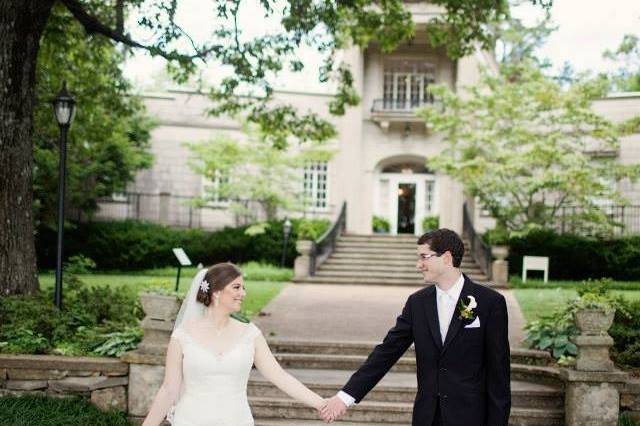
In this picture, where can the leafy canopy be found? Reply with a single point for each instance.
(526, 148)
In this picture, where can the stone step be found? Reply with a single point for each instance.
(364, 280)
(337, 362)
(364, 412)
(381, 270)
(540, 374)
(298, 422)
(400, 263)
(408, 256)
(518, 355)
(397, 387)
(384, 413)
(379, 237)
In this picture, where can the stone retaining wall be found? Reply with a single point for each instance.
(103, 381)
(630, 398)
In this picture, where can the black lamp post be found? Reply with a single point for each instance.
(286, 229)
(63, 108)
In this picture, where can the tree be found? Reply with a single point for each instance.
(326, 25)
(516, 42)
(110, 137)
(526, 148)
(627, 77)
(257, 170)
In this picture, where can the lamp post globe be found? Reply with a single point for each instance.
(63, 109)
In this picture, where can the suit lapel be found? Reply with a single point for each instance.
(456, 322)
(431, 309)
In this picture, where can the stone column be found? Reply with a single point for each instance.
(592, 396)
(146, 363)
(500, 267)
(302, 263)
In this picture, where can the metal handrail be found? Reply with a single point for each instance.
(324, 246)
(480, 251)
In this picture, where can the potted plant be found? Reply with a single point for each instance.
(430, 223)
(380, 225)
(594, 312)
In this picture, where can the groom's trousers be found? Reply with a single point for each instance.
(437, 418)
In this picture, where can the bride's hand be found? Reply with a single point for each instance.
(321, 404)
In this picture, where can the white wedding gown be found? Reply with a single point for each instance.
(214, 391)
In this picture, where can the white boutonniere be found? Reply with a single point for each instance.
(466, 310)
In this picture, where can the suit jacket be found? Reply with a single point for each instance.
(468, 375)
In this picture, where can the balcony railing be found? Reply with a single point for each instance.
(400, 105)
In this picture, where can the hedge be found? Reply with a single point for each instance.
(133, 245)
(576, 257)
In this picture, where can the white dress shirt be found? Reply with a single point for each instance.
(446, 302)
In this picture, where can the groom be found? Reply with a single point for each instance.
(459, 329)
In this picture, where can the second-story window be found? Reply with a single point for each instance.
(406, 83)
(214, 188)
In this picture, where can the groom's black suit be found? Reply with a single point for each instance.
(468, 377)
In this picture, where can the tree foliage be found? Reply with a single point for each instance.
(109, 139)
(627, 55)
(253, 170)
(526, 148)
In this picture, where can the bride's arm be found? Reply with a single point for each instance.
(170, 389)
(269, 367)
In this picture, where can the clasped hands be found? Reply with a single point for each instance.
(333, 409)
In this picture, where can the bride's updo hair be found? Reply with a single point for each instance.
(218, 277)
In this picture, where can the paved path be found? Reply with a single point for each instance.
(349, 313)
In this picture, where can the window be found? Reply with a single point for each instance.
(428, 197)
(315, 185)
(406, 84)
(214, 188)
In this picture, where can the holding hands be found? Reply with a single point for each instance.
(333, 409)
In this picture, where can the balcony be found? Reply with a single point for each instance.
(388, 111)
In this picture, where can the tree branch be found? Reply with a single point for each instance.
(120, 16)
(93, 25)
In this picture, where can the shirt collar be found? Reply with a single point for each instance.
(455, 290)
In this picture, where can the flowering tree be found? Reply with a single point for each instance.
(526, 148)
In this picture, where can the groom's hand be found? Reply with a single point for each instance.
(333, 410)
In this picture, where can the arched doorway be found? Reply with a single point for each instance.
(405, 193)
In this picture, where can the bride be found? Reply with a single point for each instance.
(210, 356)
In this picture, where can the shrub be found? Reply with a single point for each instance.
(381, 225)
(93, 321)
(310, 229)
(132, 245)
(576, 257)
(553, 333)
(430, 223)
(626, 335)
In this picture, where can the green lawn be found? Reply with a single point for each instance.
(537, 301)
(263, 282)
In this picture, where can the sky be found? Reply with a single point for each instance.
(586, 28)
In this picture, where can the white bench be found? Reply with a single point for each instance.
(535, 263)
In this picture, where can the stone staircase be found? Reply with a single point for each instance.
(379, 260)
(536, 389)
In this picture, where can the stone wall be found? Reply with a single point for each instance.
(630, 398)
(103, 381)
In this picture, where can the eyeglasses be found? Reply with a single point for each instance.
(429, 256)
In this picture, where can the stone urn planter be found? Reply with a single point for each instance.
(160, 313)
(594, 321)
(500, 267)
(500, 252)
(302, 263)
(594, 342)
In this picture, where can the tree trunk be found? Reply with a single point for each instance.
(21, 25)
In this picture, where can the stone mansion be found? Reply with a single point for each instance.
(381, 148)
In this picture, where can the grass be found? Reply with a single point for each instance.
(516, 282)
(263, 282)
(536, 301)
(43, 411)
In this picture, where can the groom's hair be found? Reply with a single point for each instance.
(442, 240)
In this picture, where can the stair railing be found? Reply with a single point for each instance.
(480, 251)
(324, 246)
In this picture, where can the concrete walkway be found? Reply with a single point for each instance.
(349, 313)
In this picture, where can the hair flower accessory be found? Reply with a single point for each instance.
(204, 286)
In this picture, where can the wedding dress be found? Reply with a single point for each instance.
(215, 384)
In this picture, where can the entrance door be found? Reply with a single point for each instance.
(406, 208)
